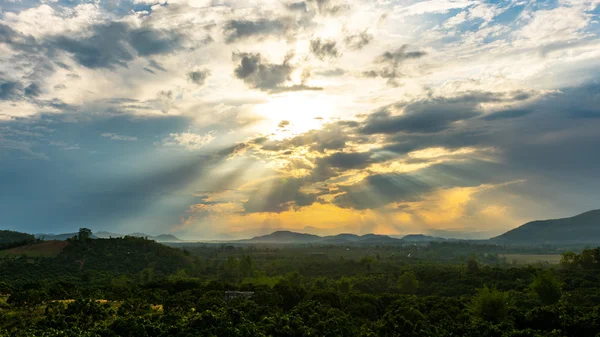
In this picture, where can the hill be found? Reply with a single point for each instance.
(39, 249)
(290, 237)
(582, 228)
(421, 238)
(108, 235)
(10, 239)
(105, 258)
(62, 236)
(284, 237)
(158, 238)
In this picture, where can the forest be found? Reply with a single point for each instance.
(137, 287)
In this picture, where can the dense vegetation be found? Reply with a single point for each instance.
(9, 239)
(137, 287)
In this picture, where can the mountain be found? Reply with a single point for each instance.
(285, 237)
(107, 235)
(10, 239)
(421, 238)
(582, 228)
(340, 238)
(165, 238)
(158, 238)
(62, 236)
(303, 238)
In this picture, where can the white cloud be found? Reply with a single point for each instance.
(188, 140)
(115, 136)
(432, 6)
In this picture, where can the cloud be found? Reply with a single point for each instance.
(278, 195)
(432, 114)
(389, 63)
(381, 189)
(188, 140)
(116, 44)
(324, 48)
(260, 74)
(331, 72)
(358, 41)
(235, 30)
(199, 76)
(115, 136)
(11, 91)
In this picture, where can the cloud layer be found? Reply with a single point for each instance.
(318, 115)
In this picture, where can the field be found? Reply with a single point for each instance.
(42, 249)
(532, 258)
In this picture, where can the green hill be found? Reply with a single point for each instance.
(582, 228)
(289, 237)
(10, 239)
(104, 258)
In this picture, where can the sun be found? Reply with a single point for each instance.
(294, 113)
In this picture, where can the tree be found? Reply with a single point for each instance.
(546, 287)
(472, 265)
(490, 305)
(84, 234)
(569, 260)
(408, 283)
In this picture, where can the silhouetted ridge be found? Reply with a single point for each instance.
(582, 228)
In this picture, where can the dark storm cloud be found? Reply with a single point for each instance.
(278, 195)
(116, 44)
(199, 76)
(324, 48)
(235, 30)
(358, 41)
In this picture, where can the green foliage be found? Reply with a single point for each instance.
(546, 287)
(84, 234)
(490, 305)
(137, 287)
(408, 283)
(472, 265)
(9, 239)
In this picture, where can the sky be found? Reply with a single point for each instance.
(217, 119)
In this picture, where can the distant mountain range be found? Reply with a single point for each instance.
(344, 238)
(106, 235)
(582, 228)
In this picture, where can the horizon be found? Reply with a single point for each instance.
(262, 232)
(202, 119)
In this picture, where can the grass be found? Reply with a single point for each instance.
(42, 249)
(532, 258)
